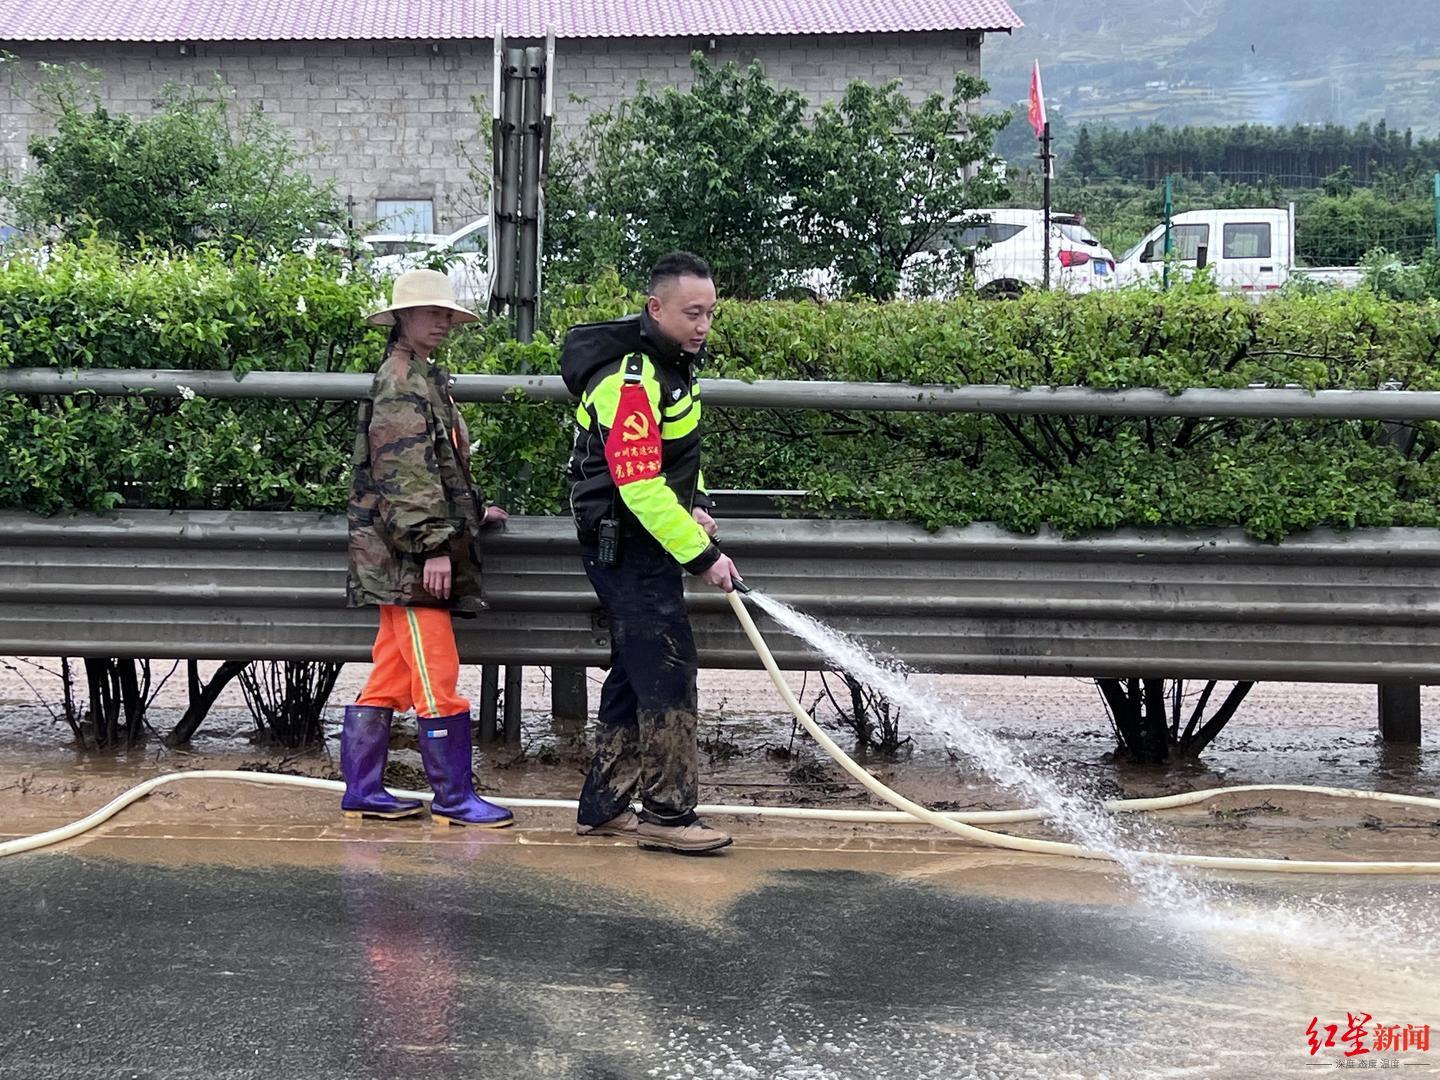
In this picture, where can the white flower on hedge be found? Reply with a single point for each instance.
(300, 305)
(186, 392)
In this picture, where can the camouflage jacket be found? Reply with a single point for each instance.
(410, 492)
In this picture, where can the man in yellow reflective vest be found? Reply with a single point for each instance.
(642, 515)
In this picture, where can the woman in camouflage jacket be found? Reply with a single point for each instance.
(415, 519)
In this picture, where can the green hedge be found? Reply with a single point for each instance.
(91, 307)
(1272, 477)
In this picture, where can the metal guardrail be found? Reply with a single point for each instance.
(1360, 606)
(1257, 402)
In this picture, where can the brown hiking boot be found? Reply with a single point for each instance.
(692, 839)
(623, 824)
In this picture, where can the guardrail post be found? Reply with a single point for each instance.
(489, 699)
(1399, 712)
(513, 675)
(569, 703)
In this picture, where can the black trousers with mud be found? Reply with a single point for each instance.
(645, 735)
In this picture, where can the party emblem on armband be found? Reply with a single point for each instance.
(633, 448)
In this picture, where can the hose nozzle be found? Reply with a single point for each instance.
(740, 587)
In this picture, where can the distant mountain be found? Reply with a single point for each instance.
(1133, 62)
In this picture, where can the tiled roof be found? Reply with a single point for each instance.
(351, 20)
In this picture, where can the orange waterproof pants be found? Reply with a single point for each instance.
(416, 663)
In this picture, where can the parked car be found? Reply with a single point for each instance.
(464, 255)
(1004, 252)
(387, 245)
(349, 252)
(339, 244)
(1007, 249)
(1247, 249)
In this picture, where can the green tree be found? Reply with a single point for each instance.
(711, 169)
(734, 169)
(1387, 274)
(1083, 162)
(201, 170)
(886, 176)
(1297, 157)
(1341, 229)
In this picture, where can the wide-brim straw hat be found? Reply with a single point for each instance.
(421, 288)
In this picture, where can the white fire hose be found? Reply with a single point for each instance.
(960, 824)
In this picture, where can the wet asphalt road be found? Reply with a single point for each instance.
(378, 963)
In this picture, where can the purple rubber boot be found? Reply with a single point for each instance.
(364, 745)
(445, 750)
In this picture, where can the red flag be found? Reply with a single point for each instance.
(1037, 103)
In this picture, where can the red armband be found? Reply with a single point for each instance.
(632, 448)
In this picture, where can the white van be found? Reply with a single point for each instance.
(1250, 250)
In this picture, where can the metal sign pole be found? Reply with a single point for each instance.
(507, 149)
(548, 121)
(1045, 164)
(1169, 235)
(527, 298)
(492, 254)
